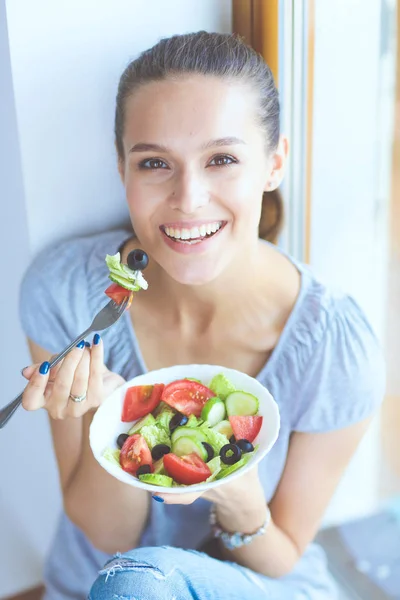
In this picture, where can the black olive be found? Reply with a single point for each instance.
(159, 451)
(178, 420)
(245, 445)
(143, 470)
(121, 439)
(210, 451)
(137, 260)
(230, 454)
(232, 439)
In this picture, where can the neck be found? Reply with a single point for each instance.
(207, 303)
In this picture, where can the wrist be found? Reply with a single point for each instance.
(239, 513)
(236, 538)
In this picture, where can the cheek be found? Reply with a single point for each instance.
(244, 198)
(141, 201)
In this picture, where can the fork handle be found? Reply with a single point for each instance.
(68, 349)
(7, 412)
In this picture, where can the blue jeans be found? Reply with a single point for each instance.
(166, 573)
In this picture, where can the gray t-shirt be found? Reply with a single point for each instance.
(326, 373)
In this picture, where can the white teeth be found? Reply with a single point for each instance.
(194, 233)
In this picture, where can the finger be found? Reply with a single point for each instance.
(95, 388)
(177, 499)
(57, 403)
(80, 386)
(27, 372)
(33, 396)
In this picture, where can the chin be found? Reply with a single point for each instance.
(201, 273)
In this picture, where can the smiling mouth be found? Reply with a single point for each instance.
(194, 235)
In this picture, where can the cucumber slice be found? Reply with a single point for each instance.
(213, 411)
(195, 433)
(224, 427)
(215, 467)
(156, 479)
(125, 283)
(187, 445)
(241, 404)
(143, 422)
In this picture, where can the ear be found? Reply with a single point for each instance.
(279, 160)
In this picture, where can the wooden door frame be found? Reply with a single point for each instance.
(259, 22)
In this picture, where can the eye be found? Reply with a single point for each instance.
(153, 164)
(222, 160)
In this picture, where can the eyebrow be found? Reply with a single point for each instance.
(226, 141)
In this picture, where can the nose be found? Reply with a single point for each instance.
(189, 193)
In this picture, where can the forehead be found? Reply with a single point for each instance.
(194, 107)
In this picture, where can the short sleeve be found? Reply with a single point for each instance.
(64, 287)
(345, 378)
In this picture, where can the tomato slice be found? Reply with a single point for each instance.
(140, 400)
(118, 293)
(186, 469)
(246, 428)
(188, 397)
(135, 453)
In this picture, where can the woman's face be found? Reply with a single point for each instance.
(195, 169)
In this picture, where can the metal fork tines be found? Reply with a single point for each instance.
(106, 317)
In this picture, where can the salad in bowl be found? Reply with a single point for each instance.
(184, 428)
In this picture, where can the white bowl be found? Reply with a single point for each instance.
(107, 425)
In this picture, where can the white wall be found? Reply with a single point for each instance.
(349, 202)
(59, 67)
(26, 501)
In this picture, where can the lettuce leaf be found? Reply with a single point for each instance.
(154, 434)
(221, 386)
(112, 456)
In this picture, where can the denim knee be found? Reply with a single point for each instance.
(142, 573)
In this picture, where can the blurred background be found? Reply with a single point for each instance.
(335, 62)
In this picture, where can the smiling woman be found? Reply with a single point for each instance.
(217, 152)
(198, 142)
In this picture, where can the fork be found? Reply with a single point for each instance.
(106, 317)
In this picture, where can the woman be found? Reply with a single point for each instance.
(198, 143)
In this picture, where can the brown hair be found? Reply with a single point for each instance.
(219, 55)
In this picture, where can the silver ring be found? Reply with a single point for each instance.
(78, 398)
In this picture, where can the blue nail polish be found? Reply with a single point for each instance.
(22, 370)
(87, 344)
(81, 344)
(96, 339)
(44, 368)
(158, 499)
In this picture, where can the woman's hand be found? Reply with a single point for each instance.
(81, 373)
(246, 488)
